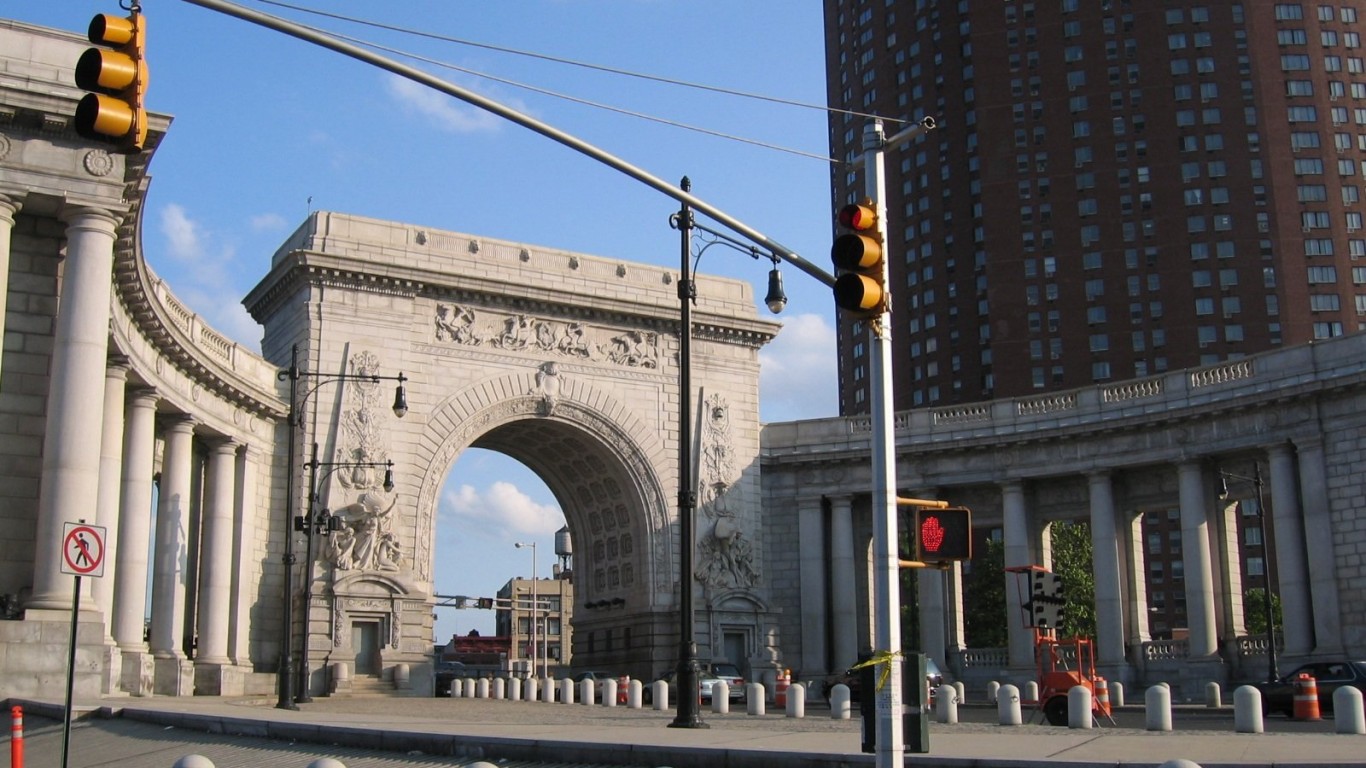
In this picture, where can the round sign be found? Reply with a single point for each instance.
(83, 550)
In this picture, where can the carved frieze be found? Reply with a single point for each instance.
(460, 324)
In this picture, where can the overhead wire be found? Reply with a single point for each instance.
(575, 63)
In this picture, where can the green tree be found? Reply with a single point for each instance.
(1072, 560)
(984, 598)
(1254, 610)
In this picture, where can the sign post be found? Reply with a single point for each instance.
(82, 555)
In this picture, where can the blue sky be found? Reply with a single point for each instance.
(267, 128)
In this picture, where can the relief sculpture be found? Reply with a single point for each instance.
(458, 324)
(726, 557)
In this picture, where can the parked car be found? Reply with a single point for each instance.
(709, 675)
(933, 679)
(1328, 677)
(446, 673)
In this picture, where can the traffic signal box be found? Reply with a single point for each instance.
(943, 535)
(483, 602)
(859, 285)
(116, 76)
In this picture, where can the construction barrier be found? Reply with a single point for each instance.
(623, 688)
(1306, 697)
(16, 736)
(780, 688)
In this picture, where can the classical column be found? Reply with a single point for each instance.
(135, 521)
(1135, 582)
(8, 208)
(1018, 551)
(815, 618)
(843, 597)
(1292, 572)
(169, 572)
(1203, 641)
(249, 536)
(69, 488)
(929, 583)
(216, 575)
(111, 472)
(1227, 551)
(956, 637)
(1318, 542)
(1105, 566)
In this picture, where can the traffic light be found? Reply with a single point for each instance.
(116, 75)
(484, 602)
(859, 286)
(942, 535)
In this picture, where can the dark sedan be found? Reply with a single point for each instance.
(1328, 677)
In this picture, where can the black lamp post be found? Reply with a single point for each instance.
(1272, 673)
(688, 671)
(285, 673)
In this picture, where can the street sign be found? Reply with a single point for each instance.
(83, 550)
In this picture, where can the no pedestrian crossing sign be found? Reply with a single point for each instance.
(83, 549)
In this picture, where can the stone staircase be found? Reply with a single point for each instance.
(370, 685)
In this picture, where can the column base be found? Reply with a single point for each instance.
(137, 674)
(173, 677)
(1196, 674)
(219, 679)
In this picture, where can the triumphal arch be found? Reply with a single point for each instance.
(568, 363)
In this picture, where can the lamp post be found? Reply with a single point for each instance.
(1272, 673)
(689, 670)
(294, 418)
(323, 522)
(532, 544)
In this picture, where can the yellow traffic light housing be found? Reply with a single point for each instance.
(116, 75)
(859, 287)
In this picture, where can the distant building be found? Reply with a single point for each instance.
(479, 653)
(553, 635)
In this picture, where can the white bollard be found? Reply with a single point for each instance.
(635, 694)
(659, 692)
(962, 691)
(1116, 694)
(993, 690)
(469, 688)
(1008, 705)
(481, 688)
(500, 689)
(548, 689)
(587, 692)
(609, 692)
(1347, 711)
(839, 702)
(515, 689)
(1157, 708)
(1180, 763)
(796, 700)
(327, 762)
(1213, 697)
(1079, 707)
(457, 688)
(754, 699)
(193, 761)
(1247, 710)
(403, 677)
(720, 697)
(946, 704)
(1031, 691)
(567, 690)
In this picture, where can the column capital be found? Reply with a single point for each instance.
(91, 216)
(118, 366)
(10, 203)
(224, 445)
(179, 422)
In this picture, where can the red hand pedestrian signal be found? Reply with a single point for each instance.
(943, 535)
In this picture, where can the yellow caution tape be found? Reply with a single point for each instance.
(883, 659)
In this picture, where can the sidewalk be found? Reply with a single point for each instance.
(557, 733)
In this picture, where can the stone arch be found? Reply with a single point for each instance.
(608, 484)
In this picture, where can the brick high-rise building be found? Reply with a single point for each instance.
(1119, 187)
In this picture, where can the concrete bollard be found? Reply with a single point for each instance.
(659, 692)
(548, 690)
(1180, 763)
(469, 688)
(1247, 710)
(481, 688)
(1116, 694)
(635, 694)
(962, 691)
(1347, 711)
(500, 689)
(1008, 705)
(1031, 691)
(720, 698)
(839, 702)
(1079, 707)
(993, 690)
(193, 761)
(587, 689)
(515, 689)
(457, 688)
(796, 701)
(755, 702)
(327, 762)
(609, 692)
(1157, 708)
(532, 688)
(567, 691)
(946, 704)
(1213, 696)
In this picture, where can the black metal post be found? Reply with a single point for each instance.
(688, 671)
(302, 697)
(1272, 672)
(285, 673)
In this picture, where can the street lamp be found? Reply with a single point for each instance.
(688, 671)
(532, 544)
(285, 673)
(1272, 673)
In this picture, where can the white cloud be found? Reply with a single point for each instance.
(502, 506)
(202, 277)
(446, 112)
(267, 222)
(797, 371)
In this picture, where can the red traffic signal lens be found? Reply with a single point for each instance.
(943, 534)
(858, 217)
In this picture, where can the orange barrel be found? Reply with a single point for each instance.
(623, 686)
(1102, 704)
(16, 733)
(780, 687)
(1306, 697)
